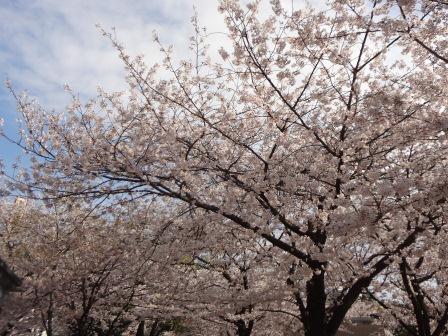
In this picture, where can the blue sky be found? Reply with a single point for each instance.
(45, 44)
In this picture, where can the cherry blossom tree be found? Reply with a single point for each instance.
(81, 275)
(320, 135)
(414, 292)
(238, 284)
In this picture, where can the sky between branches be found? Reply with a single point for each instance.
(45, 44)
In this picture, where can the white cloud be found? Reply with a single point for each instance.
(46, 43)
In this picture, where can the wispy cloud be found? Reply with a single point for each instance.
(46, 43)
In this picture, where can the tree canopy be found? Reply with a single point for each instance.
(299, 175)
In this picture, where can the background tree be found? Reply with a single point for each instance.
(83, 275)
(414, 292)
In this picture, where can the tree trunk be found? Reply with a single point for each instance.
(314, 321)
(50, 317)
(243, 329)
(154, 329)
(417, 300)
(317, 331)
(141, 329)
